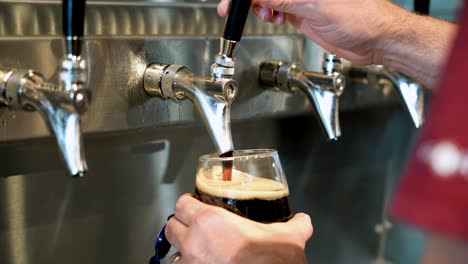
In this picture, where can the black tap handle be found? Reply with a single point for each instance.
(235, 22)
(73, 25)
(422, 6)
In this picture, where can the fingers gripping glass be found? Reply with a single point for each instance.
(256, 188)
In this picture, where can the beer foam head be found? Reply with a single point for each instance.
(242, 186)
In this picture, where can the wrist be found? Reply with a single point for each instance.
(393, 35)
(415, 45)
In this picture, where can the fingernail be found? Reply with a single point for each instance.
(262, 12)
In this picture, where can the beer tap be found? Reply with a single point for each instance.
(61, 104)
(211, 96)
(322, 89)
(410, 93)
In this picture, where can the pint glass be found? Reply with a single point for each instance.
(257, 187)
(251, 184)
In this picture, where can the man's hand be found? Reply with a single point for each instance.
(208, 234)
(366, 32)
(350, 28)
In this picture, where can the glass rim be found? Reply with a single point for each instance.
(242, 153)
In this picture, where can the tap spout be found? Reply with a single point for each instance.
(320, 90)
(212, 98)
(410, 93)
(27, 90)
(323, 90)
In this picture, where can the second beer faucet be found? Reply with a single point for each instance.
(212, 95)
(411, 93)
(60, 105)
(322, 89)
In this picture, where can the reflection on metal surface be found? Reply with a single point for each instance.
(410, 92)
(61, 216)
(323, 90)
(228, 47)
(16, 211)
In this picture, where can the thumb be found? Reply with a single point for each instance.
(223, 7)
(301, 224)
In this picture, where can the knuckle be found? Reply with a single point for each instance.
(181, 203)
(284, 5)
(202, 218)
(169, 232)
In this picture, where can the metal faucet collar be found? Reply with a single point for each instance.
(228, 47)
(224, 63)
(73, 73)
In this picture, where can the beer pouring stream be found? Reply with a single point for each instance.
(235, 22)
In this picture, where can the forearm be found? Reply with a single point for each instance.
(415, 45)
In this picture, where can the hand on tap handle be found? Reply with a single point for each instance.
(235, 21)
(73, 25)
(366, 32)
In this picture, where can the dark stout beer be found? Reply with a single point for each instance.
(259, 199)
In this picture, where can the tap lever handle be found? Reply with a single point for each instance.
(235, 22)
(73, 25)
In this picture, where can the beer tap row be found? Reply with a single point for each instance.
(63, 104)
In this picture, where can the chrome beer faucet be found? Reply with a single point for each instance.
(410, 92)
(212, 96)
(322, 89)
(60, 105)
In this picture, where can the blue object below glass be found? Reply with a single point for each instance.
(154, 261)
(161, 246)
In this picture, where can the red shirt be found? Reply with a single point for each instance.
(433, 194)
